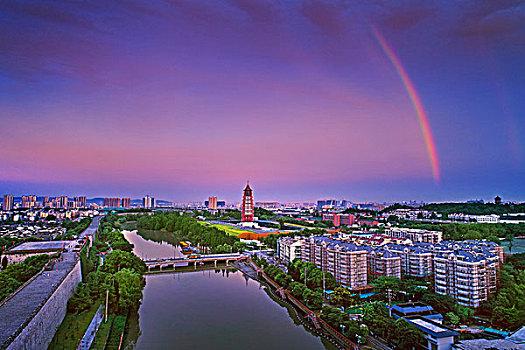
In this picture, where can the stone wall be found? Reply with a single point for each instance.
(40, 330)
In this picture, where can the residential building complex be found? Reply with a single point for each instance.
(80, 201)
(383, 263)
(346, 261)
(465, 270)
(111, 202)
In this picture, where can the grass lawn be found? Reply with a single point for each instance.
(72, 329)
(232, 231)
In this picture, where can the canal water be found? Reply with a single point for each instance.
(212, 309)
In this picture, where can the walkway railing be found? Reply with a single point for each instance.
(340, 338)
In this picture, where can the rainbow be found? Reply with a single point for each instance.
(416, 102)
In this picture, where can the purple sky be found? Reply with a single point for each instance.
(186, 99)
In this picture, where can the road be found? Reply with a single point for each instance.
(92, 228)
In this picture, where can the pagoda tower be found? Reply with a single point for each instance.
(247, 204)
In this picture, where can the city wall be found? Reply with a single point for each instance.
(40, 330)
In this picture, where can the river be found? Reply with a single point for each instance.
(211, 309)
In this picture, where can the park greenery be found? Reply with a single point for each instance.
(506, 308)
(120, 276)
(14, 275)
(400, 332)
(460, 232)
(186, 228)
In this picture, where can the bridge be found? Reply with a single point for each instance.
(173, 263)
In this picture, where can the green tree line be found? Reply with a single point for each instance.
(186, 228)
(120, 276)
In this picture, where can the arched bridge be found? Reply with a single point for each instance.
(192, 260)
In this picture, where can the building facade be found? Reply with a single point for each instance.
(212, 203)
(466, 276)
(346, 261)
(111, 202)
(8, 202)
(415, 235)
(340, 219)
(148, 202)
(247, 204)
(125, 203)
(289, 249)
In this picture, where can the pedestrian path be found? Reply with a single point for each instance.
(91, 331)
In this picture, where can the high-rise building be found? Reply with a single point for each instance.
(62, 202)
(111, 202)
(80, 202)
(46, 203)
(148, 202)
(247, 203)
(28, 201)
(7, 204)
(126, 203)
(212, 203)
(346, 261)
(466, 276)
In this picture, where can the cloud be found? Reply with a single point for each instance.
(491, 20)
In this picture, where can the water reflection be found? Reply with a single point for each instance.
(219, 308)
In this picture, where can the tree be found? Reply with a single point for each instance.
(407, 336)
(118, 259)
(342, 296)
(313, 299)
(128, 285)
(297, 289)
(452, 318)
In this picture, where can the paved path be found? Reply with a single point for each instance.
(376, 342)
(91, 331)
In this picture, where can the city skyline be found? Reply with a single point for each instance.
(317, 99)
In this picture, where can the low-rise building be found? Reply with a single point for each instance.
(415, 235)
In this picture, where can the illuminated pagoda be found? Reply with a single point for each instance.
(247, 204)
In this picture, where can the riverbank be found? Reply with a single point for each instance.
(309, 320)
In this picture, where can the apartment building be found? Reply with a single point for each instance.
(415, 261)
(415, 235)
(289, 249)
(466, 276)
(346, 261)
(383, 263)
(112, 202)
